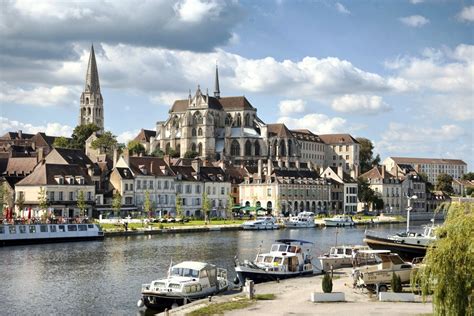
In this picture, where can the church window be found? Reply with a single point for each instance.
(248, 148)
(200, 149)
(257, 149)
(235, 148)
(282, 148)
(193, 132)
(228, 120)
(247, 119)
(87, 100)
(193, 147)
(88, 111)
(200, 132)
(289, 148)
(238, 121)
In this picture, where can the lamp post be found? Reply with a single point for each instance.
(409, 208)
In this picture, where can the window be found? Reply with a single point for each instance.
(43, 228)
(193, 132)
(71, 196)
(158, 185)
(61, 228)
(51, 195)
(199, 131)
(208, 190)
(2, 230)
(235, 148)
(126, 186)
(82, 228)
(269, 192)
(222, 190)
(188, 188)
(52, 228)
(198, 188)
(166, 185)
(22, 229)
(60, 196)
(150, 184)
(131, 186)
(139, 184)
(12, 229)
(214, 191)
(71, 228)
(89, 196)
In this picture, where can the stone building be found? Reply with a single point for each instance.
(343, 190)
(342, 150)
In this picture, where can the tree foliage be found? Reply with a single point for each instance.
(81, 133)
(61, 142)
(444, 183)
(327, 283)
(191, 154)
(396, 283)
(135, 147)
(147, 207)
(81, 203)
(20, 202)
(117, 202)
(158, 153)
(367, 195)
(42, 199)
(424, 178)
(173, 153)
(179, 206)
(206, 206)
(7, 197)
(105, 142)
(229, 206)
(366, 155)
(468, 176)
(449, 264)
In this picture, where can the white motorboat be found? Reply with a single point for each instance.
(339, 221)
(186, 282)
(343, 256)
(24, 234)
(286, 259)
(302, 220)
(261, 223)
(379, 276)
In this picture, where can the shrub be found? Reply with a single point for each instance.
(327, 283)
(396, 283)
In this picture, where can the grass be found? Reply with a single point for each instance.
(138, 226)
(240, 302)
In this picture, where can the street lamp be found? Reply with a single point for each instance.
(409, 208)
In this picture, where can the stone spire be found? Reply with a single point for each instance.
(217, 91)
(92, 110)
(92, 75)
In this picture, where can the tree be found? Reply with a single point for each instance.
(135, 147)
(229, 206)
(117, 203)
(424, 178)
(147, 207)
(173, 153)
(444, 183)
(327, 283)
(81, 133)
(191, 154)
(469, 191)
(20, 202)
(158, 153)
(3, 193)
(61, 142)
(366, 159)
(7, 197)
(448, 266)
(206, 206)
(105, 142)
(468, 176)
(81, 203)
(179, 206)
(42, 199)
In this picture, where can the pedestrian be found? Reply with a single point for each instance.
(354, 258)
(126, 226)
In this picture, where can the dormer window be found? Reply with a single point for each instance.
(80, 180)
(59, 180)
(69, 180)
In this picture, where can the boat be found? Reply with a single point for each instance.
(24, 234)
(378, 277)
(408, 245)
(339, 221)
(286, 259)
(302, 220)
(186, 282)
(261, 223)
(343, 256)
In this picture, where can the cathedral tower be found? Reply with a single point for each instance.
(92, 104)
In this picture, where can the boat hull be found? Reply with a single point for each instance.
(260, 227)
(33, 241)
(161, 302)
(330, 223)
(289, 225)
(261, 277)
(406, 251)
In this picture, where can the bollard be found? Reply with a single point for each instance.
(249, 287)
(167, 313)
(210, 298)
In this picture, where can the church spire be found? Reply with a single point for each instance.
(92, 75)
(217, 91)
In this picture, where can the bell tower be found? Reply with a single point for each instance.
(92, 104)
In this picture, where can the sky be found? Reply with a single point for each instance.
(400, 73)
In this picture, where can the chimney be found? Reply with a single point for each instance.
(40, 154)
(20, 134)
(151, 167)
(259, 172)
(383, 171)
(114, 161)
(269, 167)
(126, 156)
(196, 164)
(340, 172)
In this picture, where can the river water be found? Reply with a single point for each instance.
(98, 278)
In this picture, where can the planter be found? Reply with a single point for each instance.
(328, 297)
(396, 297)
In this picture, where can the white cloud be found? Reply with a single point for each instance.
(291, 106)
(127, 136)
(317, 123)
(467, 14)
(414, 20)
(51, 129)
(38, 96)
(342, 9)
(360, 104)
(416, 1)
(194, 11)
(166, 98)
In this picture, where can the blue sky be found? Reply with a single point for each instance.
(398, 72)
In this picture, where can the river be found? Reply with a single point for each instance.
(98, 278)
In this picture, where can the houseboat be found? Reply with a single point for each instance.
(302, 220)
(339, 221)
(286, 259)
(186, 282)
(23, 234)
(261, 223)
(346, 256)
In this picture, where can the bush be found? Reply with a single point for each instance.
(396, 283)
(327, 283)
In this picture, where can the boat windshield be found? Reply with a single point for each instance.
(185, 272)
(260, 259)
(280, 248)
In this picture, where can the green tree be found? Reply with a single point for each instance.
(147, 207)
(135, 147)
(42, 199)
(179, 206)
(449, 264)
(158, 153)
(3, 193)
(7, 197)
(105, 142)
(444, 183)
(229, 206)
(173, 153)
(366, 155)
(20, 202)
(81, 133)
(424, 178)
(327, 283)
(396, 283)
(468, 176)
(206, 206)
(81, 203)
(61, 142)
(191, 154)
(117, 203)
(469, 191)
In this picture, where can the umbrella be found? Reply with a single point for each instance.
(29, 213)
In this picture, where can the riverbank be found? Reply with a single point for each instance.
(292, 296)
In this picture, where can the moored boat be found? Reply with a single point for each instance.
(186, 282)
(261, 223)
(302, 220)
(339, 221)
(24, 234)
(286, 259)
(345, 255)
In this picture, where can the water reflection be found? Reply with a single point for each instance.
(106, 277)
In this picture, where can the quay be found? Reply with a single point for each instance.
(292, 296)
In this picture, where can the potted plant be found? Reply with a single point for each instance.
(327, 295)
